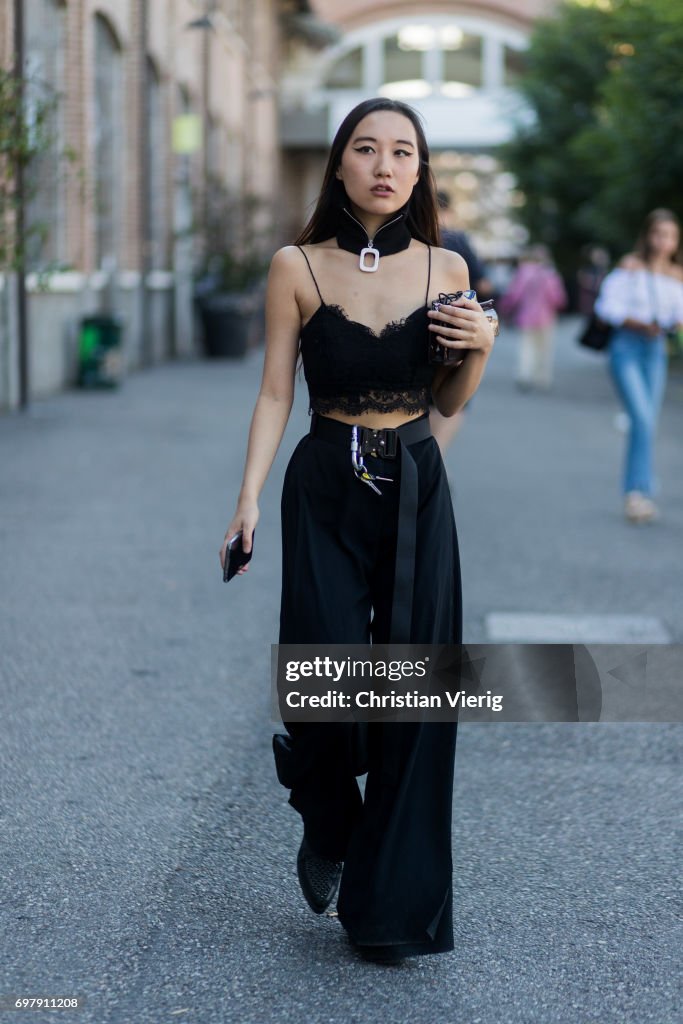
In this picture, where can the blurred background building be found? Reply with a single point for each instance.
(156, 98)
(186, 124)
(456, 62)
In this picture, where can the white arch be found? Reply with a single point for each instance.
(373, 34)
(480, 118)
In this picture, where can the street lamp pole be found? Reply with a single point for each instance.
(145, 240)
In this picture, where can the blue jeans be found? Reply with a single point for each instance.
(638, 366)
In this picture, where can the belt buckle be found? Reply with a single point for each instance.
(381, 442)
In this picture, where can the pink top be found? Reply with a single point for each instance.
(535, 294)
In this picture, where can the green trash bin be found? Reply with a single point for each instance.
(100, 355)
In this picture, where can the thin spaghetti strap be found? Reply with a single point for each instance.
(312, 274)
(429, 272)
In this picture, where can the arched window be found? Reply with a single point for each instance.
(462, 64)
(420, 58)
(45, 176)
(347, 72)
(109, 144)
(402, 63)
(515, 63)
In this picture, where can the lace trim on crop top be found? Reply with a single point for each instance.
(353, 369)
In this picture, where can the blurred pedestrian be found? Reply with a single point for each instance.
(458, 241)
(590, 276)
(643, 299)
(500, 273)
(444, 428)
(532, 301)
(369, 543)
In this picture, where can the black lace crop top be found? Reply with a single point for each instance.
(350, 368)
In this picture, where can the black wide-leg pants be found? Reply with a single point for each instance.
(338, 550)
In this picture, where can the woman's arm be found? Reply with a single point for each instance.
(462, 325)
(276, 394)
(612, 302)
(639, 327)
(679, 305)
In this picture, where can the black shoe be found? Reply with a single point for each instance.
(381, 954)
(319, 877)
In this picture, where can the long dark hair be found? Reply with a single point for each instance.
(643, 247)
(422, 219)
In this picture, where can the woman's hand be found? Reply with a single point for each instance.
(245, 519)
(463, 325)
(651, 330)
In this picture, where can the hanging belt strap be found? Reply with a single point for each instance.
(387, 443)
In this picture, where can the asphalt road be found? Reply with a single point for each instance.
(148, 852)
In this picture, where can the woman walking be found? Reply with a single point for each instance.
(643, 299)
(532, 301)
(369, 545)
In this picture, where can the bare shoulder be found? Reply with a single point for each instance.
(452, 267)
(295, 256)
(676, 271)
(631, 261)
(287, 267)
(287, 258)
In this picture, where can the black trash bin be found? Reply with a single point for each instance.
(227, 321)
(100, 355)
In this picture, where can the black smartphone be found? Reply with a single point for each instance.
(236, 556)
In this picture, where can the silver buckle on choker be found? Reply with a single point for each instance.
(361, 261)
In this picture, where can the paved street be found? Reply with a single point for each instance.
(148, 852)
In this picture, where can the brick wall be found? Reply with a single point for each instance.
(241, 100)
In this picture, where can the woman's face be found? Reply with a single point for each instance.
(381, 164)
(663, 238)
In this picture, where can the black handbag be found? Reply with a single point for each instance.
(596, 334)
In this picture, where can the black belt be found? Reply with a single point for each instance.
(386, 443)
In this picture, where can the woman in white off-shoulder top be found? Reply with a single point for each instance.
(643, 299)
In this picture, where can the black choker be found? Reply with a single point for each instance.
(393, 236)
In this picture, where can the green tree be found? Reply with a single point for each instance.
(637, 138)
(603, 142)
